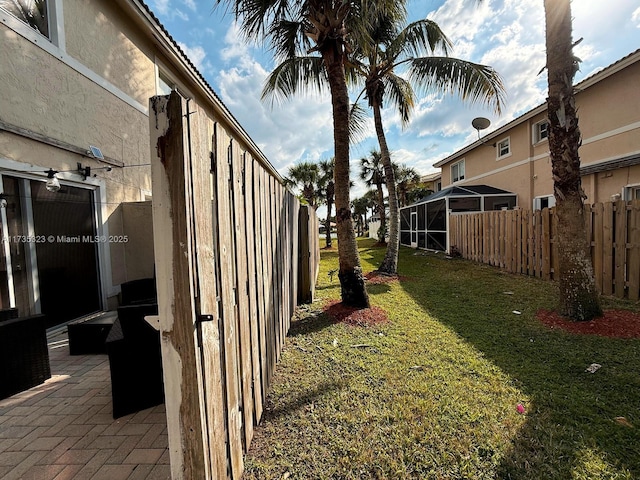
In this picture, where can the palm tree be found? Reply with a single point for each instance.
(305, 176)
(406, 177)
(578, 295)
(371, 172)
(360, 206)
(375, 63)
(321, 27)
(327, 185)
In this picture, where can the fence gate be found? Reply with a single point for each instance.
(226, 253)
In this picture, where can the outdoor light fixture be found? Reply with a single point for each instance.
(83, 171)
(3, 201)
(53, 184)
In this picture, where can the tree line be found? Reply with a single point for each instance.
(315, 187)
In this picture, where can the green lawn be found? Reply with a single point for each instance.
(434, 392)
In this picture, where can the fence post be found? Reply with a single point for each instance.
(172, 226)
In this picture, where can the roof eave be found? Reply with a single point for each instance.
(170, 48)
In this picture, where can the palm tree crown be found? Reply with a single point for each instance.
(374, 62)
(305, 176)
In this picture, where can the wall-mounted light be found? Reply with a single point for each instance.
(3, 201)
(53, 184)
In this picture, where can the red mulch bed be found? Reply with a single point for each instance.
(361, 317)
(614, 324)
(377, 278)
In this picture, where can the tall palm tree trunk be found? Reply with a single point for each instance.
(390, 263)
(578, 295)
(352, 285)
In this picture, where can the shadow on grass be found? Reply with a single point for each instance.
(303, 399)
(312, 321)
(574, 425)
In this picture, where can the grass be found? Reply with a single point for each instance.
(434, 394)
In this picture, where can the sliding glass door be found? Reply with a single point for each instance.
(50, 259)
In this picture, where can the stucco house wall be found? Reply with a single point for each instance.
(609, 117)
(90, 84)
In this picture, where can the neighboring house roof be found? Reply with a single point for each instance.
(583, 85)
(165, 41)
(465, 191)
(430, 177)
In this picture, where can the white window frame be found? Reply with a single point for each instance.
(537, 201)
(460, 177)
(630, 191)
(536, 133)
(507, 141)
(169, 80)
(55, 20)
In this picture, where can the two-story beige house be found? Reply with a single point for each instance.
(75, 81)
(515, 157)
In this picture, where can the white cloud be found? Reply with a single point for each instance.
(191, 4)
(236, 47)
(300, 128)
(196, 54)
(161, 6)
(635, 17)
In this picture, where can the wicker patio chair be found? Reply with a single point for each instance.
(24, 357)
(135, 361)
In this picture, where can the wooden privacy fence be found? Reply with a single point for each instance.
(522, 241)
(226, 251)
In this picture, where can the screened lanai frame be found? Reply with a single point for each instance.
(425, 224)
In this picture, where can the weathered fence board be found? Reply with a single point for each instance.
(171, 221)
(522, 241)
(226, 250)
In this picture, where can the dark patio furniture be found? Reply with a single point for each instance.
(135, 361)
(87, 336)
(139, 291)
(24, 357)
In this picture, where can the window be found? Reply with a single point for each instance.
(457, 171)
(547, 201)
(165, 85)
(540, 131)
(438, 185)
(504, 148)
(631, 193)
(34, 13)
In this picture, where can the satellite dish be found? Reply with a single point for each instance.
(480, 123)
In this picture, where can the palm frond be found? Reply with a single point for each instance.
(358, 123)
(400, 93)
(470, 81)
(295, 75)
(419, 38)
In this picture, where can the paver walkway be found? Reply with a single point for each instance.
(64, 429)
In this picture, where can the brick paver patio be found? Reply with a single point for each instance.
(64, 429)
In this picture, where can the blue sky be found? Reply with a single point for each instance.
(506, 34)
